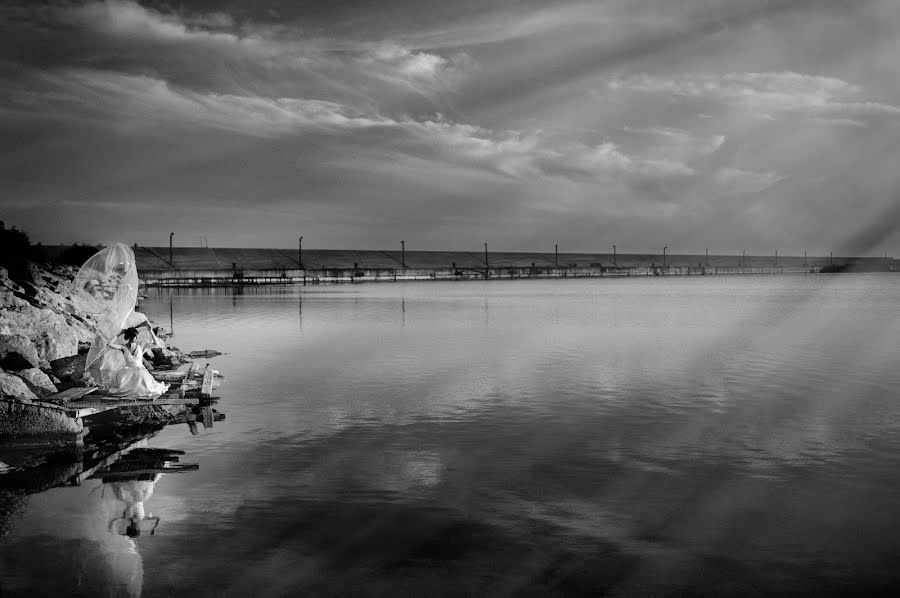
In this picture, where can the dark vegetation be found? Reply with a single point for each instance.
(75, 255)
(17, 250)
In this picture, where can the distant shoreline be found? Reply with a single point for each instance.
(207, 266)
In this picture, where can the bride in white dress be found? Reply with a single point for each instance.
(133, 380)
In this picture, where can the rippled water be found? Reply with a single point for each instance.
(709, 436)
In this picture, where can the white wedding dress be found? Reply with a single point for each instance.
(133, 380)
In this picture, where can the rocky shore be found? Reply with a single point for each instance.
(44, 341)
(41, 334)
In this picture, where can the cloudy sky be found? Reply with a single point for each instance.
(727, 124)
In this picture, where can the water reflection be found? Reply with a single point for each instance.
(110, 477)
(634, 437)
(131, 481)
(127, 484)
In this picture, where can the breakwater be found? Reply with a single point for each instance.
(204, 266)
(359, 275)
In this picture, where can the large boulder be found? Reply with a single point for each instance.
(69, 369)
(28, 420)
(38, 382)
(51, 334)
(13, 387)
(17, 352)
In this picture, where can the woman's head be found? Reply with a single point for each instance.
(130, 334)
(134, 528)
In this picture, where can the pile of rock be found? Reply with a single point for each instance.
(43, 338)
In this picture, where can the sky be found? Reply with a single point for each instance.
(732, 125)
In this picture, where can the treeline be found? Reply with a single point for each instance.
(17, 250)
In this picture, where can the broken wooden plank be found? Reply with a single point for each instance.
(132, 473)
(170, 375)
(206, 387)
(108, 460)
(85, 408)
(71, 394)
(207, 417)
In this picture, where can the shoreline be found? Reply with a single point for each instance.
(226, 278)
(44, 340)
(206, 266)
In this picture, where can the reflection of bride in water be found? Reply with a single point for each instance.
(127, 485)
(132, 480)
(133, 493)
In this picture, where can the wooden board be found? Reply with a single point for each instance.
(207, 417)
(132, 473)
(206, 387)
(72, 394)
(85, 408)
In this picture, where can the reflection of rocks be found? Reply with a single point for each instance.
(10, 504)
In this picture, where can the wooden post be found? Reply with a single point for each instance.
(300, 253)
(707, 257)
(403, 253)
(556, 256)
(614, 257)
(664, 255)
(171, 263)
(206, 385)
(487, 267)
(207, 416)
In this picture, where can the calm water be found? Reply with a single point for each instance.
(695, 436)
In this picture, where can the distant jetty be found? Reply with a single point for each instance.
(207, 266)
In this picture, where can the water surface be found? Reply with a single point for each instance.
(702, 436)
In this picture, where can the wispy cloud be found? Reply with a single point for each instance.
(184, 45)
(128, 18)
(763, 94)
(740, 181)
(135, 101)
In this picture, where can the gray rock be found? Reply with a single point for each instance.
(17, 352)
(52, 336)
(38, 381)
(70, 368)
(25, 419)
(203, 353)
(15, 388)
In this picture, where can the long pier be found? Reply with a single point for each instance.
(202, 266)
(206, 266)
